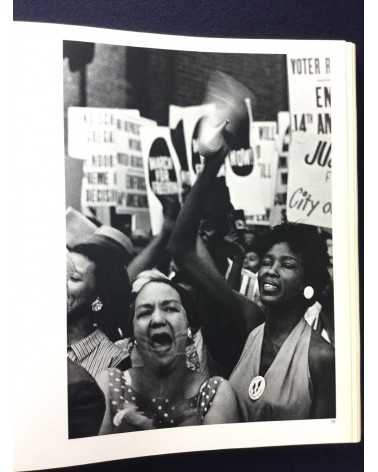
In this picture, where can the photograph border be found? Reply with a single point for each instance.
(48, 38)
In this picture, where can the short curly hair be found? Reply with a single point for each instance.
(307, 242)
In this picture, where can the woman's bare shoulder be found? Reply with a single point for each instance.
(321, 354)
(223, 406)
(224, 391)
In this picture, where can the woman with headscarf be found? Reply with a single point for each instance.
(168, 390)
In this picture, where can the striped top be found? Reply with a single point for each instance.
(96, 353)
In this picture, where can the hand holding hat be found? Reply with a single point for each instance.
(228, 127)
(211, 140)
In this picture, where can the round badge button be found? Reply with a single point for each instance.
(256, 387)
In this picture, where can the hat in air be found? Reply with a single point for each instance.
(111, 242)
(78, 228)
(117, 236)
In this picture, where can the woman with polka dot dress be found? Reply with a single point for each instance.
(169, 389)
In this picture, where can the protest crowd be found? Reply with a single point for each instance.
(199, 258)
(164, 336)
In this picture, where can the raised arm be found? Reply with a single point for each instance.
(237, 255)
(224, 407)
(228, 324)
(155, 251)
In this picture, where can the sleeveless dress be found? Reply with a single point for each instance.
(288, 389)
(162, 411)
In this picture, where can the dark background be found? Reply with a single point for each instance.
(150, 80)
(290, 19)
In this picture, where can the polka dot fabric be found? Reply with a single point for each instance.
(162, 411)
(206, 396)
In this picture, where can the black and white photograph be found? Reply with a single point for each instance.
(199, 238)
(190, 281)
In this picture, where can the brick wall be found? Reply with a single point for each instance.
(106, 78)
(151, 80)
(106, 86)
(180, 78)
(73, 167)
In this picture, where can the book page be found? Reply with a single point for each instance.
(323, 133)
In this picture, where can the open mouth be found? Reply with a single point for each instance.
(161, 341)
(270, 286)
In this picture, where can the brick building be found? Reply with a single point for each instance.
(180, 78)
(152, 79)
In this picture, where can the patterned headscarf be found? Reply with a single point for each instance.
(147, 276)
(154, 275)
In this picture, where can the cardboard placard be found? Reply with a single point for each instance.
(309, 193)
(190, 117)
(250, 173)
(88, 127)
(131, 183)
(162, 171)
(310, 149)
(113, 167)
(279, 192)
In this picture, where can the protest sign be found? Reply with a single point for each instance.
(99, 184)
(113, 161)
(309, 177)
(279, 191)
(310, 94)
(88, 127)
(264, 145)
(250, 172)
(178, 139)
(113, 170)
(92, 138)
(262, 131)
(191, 119)
(162, 171)
(131, 184)
(309, 190)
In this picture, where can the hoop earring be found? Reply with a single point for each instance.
(97, 305)
(308, 292)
